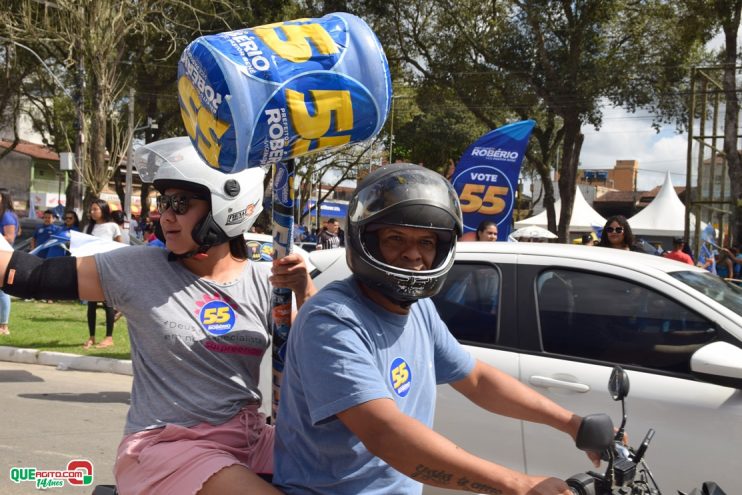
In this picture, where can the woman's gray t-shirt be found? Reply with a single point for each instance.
(196, 345)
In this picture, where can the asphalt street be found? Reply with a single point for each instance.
(49, 417)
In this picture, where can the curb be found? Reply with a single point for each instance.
(65, 361)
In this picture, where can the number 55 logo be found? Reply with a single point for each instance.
(400, 376)
(217, 317)
(486, 200)
(485, 193)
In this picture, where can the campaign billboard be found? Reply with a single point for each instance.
(486, 177)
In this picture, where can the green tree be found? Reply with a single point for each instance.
(557, 62)
(435, 130)
(727, 12)
(96, 44)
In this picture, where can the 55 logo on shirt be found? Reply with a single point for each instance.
(400, 376)
(216, 316)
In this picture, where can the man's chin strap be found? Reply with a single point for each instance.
(403, 304)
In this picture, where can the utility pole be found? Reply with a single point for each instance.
(80, 127)
(391, 132)
(129, 164)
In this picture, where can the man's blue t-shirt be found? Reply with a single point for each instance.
(43, 234)
(345, 350)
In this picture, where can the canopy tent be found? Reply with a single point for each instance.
(533, 232)
(664, 216)
(584, 218)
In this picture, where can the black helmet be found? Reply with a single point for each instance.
(404, 195)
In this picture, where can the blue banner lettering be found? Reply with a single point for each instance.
(487, 176)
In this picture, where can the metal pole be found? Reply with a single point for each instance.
(689, 162)
(316, 203)
(129, 164)
(700, 195)
(391, 133)
(283, 242)
(80, 141)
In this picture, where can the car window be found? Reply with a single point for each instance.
(725, 293)
(469, 301)
(605, 318)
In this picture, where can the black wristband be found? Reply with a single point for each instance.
(30, 277)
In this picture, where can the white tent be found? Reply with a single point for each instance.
(584, 218)
(664, 216)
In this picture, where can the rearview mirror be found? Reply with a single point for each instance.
(719, 363)
(618, 383)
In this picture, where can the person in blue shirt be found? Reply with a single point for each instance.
(9, 229)
(736, 256)
(71, 221)
(365, 354)
(58, 211)
(44, 233)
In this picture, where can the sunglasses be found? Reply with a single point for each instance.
(179, 202)
(617, 230)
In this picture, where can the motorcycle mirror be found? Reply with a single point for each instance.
(618, 384)
(595, 433)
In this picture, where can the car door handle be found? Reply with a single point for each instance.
(546, 382)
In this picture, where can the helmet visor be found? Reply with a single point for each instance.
(150, 157)
(399, 191)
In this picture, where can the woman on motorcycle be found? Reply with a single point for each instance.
(199, 323)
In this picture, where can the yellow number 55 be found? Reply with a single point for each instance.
(400, 374)
(488, 204)
(216, 315)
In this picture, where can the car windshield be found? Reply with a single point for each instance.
(725, 293)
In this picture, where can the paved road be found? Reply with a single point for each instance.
(49, 417)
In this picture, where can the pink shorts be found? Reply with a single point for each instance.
(176, 459)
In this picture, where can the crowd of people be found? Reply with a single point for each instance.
(726, 262)
(102, 222)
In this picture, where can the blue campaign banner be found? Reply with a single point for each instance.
(266, 94)
(328, 209)
(486, 177)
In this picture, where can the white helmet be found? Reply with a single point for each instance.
(236, 199)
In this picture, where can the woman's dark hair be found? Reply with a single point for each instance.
(484, 225)
(238, 248)
(118, 216)
(628, 236)
(6, 202)
(74, 215)
(105, 212)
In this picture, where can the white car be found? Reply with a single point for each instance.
(558, 317)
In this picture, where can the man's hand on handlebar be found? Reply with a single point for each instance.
(546, 486)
